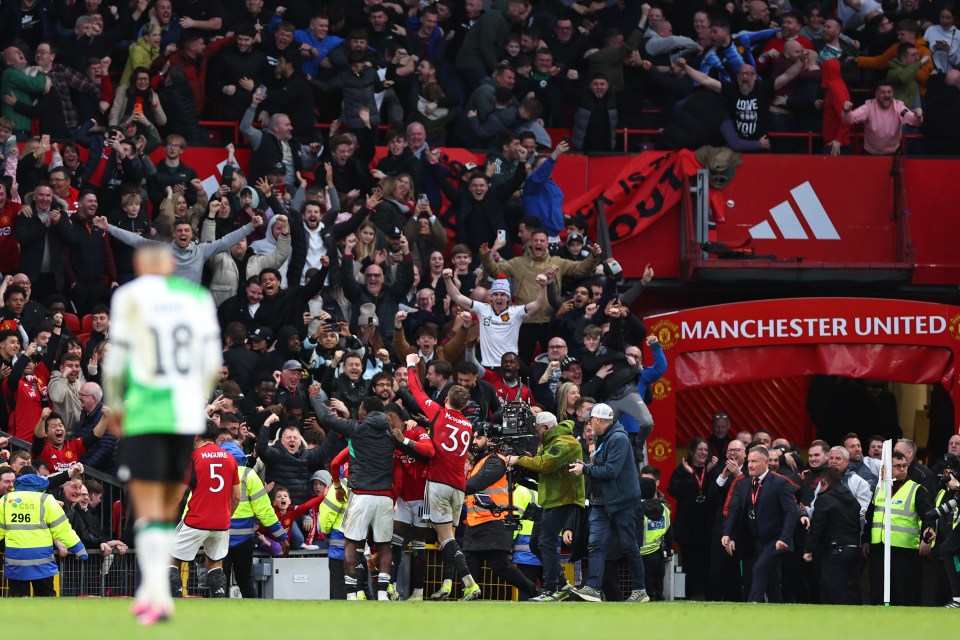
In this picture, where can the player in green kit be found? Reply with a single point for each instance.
(164, 362)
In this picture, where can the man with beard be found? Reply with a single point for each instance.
(374, 291)
(264, 395)
(866, 468)
(883, 119)
(242, 307)
(241, 261)
(64, 390)
(285, 306)
(506, 381)
(426, 342)
(748, 100)
(309, 248)
(238, 70)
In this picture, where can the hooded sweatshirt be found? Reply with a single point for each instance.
(557, 486)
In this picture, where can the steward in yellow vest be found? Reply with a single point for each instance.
(29, 523)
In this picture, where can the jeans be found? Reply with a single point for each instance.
(624, 523)
(554, 520)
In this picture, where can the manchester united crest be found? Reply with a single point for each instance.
(505, 317)
(68, 455)
(955, 327)
(660, 449)
(667, 333)
(662, 388)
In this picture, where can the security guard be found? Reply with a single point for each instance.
(910, 505)
(654, 535)
(526, 560)
(330, 516)
(31, 520)
(486, 538)
(254, 505)
(946, 546)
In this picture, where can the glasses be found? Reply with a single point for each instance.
(86, 395)
(374, 275)
(900, 466)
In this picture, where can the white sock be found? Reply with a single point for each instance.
(382, 595)
(153, 542)
(351, 595)
(418, 592)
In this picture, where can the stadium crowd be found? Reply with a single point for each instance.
(394, 289)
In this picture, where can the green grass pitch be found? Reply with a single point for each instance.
(82, 619)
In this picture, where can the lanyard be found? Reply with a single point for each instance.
(755, 492)
(699, 479)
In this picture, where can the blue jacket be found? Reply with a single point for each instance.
(103, 455)
(723, 63)
(543, 198)
(647, 377)
(613, 471)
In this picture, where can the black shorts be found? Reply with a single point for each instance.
(155, 457)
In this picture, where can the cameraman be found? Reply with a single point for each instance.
(947, 551)
(486, 537)
(561, 493)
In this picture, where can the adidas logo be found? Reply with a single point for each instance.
(788, 224)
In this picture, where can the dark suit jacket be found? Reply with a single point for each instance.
(776, 509)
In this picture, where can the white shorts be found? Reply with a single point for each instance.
(187, 542)
(409, 512)
(366, 511)
(444, 503)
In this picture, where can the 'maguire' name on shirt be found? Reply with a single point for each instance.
(208, 455)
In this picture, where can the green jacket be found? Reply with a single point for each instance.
(24, 87)
(484, 41)
(905, 86)
(557, 485)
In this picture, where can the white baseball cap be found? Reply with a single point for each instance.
(602, 411)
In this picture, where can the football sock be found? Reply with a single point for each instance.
(452, 555)
(153, 541)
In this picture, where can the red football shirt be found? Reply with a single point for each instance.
(505, 392)
(60, 459)
(412, 471)
(452, 435)
(213, 474)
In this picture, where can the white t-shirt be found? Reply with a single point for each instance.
(498, 332)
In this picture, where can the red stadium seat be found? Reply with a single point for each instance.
(84, 338)
(72, 322)
(86, 323)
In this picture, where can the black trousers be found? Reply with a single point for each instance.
(533, 573)
(42, 588)
(338, 590)
(653, 574)
(239, 562)
(501, 564)
(906, 570)
(840, 576)
(696, 565)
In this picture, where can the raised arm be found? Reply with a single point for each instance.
(699, 77)
(454, 293)
(534, 307)
(430, 408)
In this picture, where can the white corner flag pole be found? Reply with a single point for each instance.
(886, 463)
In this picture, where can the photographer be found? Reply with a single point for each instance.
(561, 493)
(486, 536)
(947, 551)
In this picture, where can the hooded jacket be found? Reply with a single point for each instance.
(226, 270)
(543, 198)
(557, 486)
(371, 448)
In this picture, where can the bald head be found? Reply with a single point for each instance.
(153, 259)
(952, 78)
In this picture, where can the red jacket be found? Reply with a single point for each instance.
(9, 248)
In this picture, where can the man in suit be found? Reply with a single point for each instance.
(724, 582)
(765, 500)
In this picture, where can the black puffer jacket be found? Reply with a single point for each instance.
(288, 470)
(371, 447)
